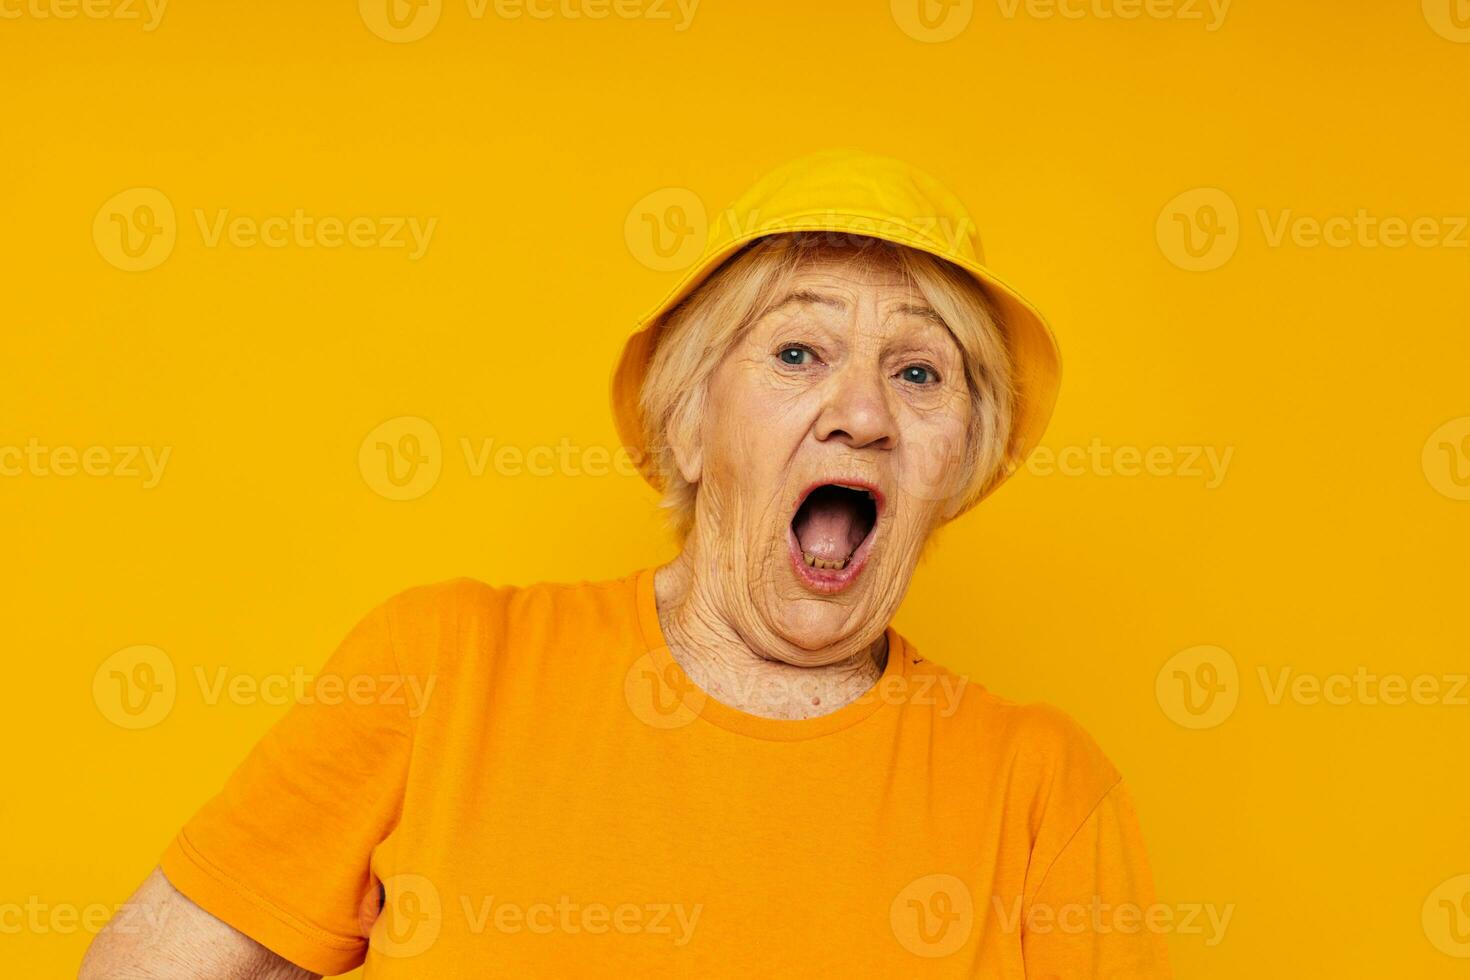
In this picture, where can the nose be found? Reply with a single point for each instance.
(857, 413)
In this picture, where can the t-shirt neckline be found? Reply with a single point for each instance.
(708, 709)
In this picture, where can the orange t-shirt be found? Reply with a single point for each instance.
(541, 791)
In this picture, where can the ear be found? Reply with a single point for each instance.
(687, 446)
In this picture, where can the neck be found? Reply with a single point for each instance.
(716, 658)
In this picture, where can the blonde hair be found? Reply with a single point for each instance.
(694, 336)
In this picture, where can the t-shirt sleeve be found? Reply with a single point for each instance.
(1091, 912)
(283, 852)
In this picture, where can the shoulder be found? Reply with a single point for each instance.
(456, 598)
(1036, 749)
(424, 621)
(1047, 739)
(476, 642)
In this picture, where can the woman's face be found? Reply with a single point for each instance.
(831, 444)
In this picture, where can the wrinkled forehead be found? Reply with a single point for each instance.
(863, 262)
(834, 281)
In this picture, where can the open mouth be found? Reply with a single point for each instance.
(832, 531)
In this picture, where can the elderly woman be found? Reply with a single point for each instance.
(731, 764)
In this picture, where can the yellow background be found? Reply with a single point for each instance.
(1336, 539)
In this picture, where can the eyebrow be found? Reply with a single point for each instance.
(810, 297)
(814, 298)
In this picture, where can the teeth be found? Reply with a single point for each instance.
(816, 562)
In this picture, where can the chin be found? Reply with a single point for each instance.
(819, 631)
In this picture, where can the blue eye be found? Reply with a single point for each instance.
(795, 356)
(918, 374)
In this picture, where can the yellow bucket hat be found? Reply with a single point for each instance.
(857, 193)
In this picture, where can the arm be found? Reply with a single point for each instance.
(271, 879)
(161, 935)
(1094, 913)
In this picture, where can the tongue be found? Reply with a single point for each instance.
(827, 528)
